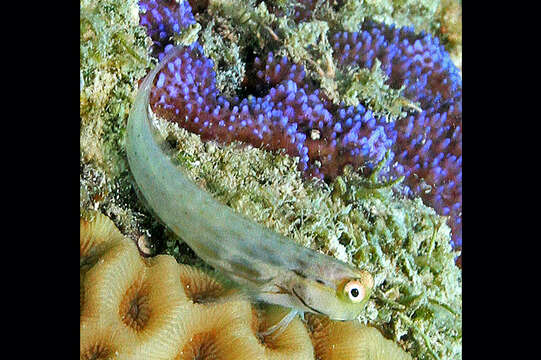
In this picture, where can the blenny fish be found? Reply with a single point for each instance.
(267, 265)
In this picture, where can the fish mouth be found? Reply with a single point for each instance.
(304, 303)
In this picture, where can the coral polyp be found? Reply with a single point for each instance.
(219, 331)
(162, 19)
(286, 118)
(97, 342)
(202, 288)
(427, 145)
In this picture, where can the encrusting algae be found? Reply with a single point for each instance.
(137, 308)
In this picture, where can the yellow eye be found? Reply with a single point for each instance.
(355, 291)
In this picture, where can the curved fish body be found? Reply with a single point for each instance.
(269, 266)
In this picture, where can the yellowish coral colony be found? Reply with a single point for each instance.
(154, 308)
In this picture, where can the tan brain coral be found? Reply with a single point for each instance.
(154, 308)
(202, 288)
(97, 235)
(335, 340)
(220, 331)
(138, 300)
(293, 343)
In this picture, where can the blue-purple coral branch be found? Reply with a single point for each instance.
(287, 110)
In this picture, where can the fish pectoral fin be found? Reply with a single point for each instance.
(279, 327)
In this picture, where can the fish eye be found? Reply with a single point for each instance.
(355, 291)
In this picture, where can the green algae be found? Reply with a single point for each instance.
(114, 55)
(225, 53)
(251, 29)
(368, 86)
(417, 301)
(417, 13)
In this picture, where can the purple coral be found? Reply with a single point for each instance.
(285, 118)
(288, 111)
(428, 144)
(163, 19)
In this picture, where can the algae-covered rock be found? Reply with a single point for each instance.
(113, 58)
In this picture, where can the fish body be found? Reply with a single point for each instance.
(271, 268)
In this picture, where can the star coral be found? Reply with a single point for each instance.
(286, 109)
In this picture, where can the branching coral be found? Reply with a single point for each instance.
(157, 309)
